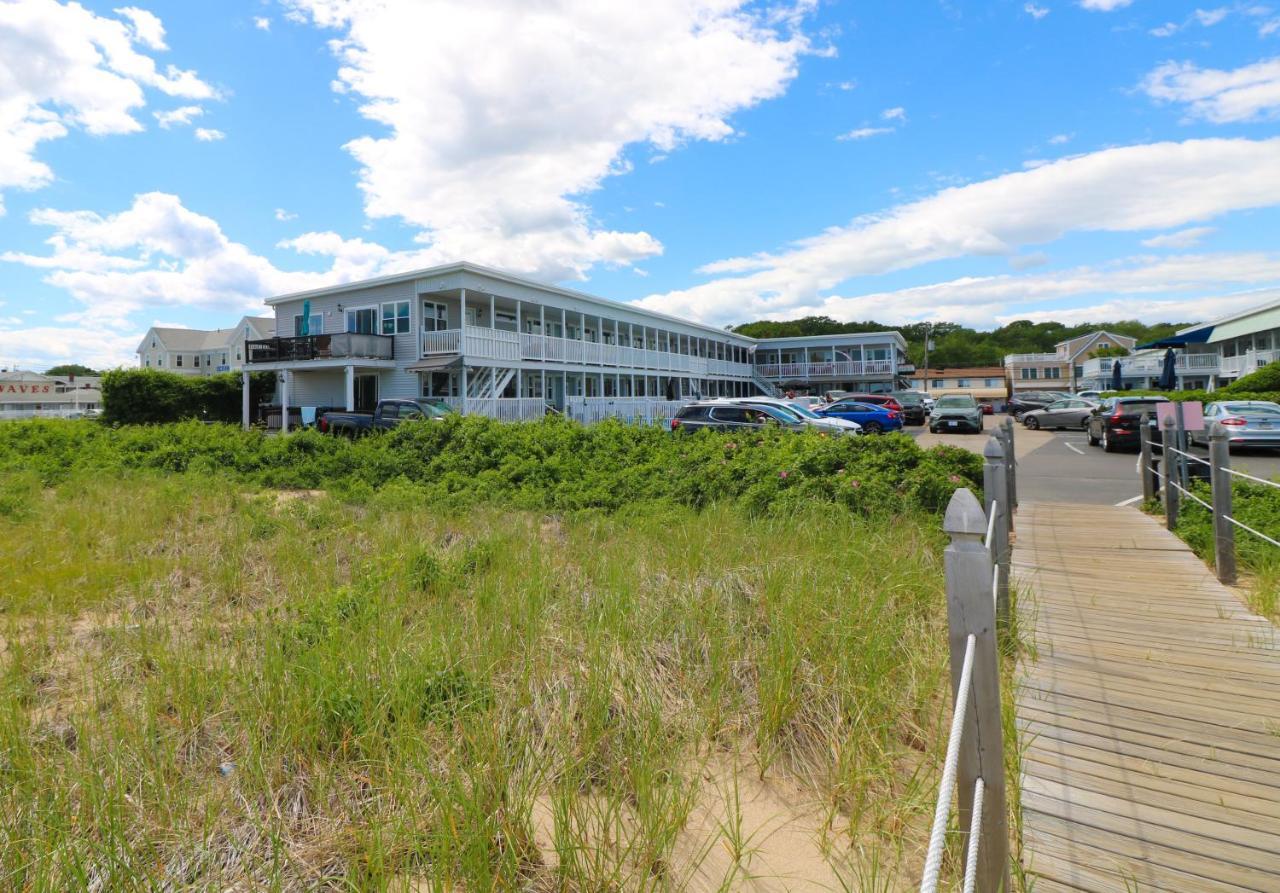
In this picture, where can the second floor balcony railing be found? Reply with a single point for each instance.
(320, 347)
(838, 369)
(1185, 364)
(504, 344)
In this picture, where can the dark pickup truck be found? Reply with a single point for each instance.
(387, 414)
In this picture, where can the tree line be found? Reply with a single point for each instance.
(956, 345)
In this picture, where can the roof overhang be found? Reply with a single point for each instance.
(435, 364)
(1181, 339)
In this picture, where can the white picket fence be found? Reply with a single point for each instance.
(631, 409)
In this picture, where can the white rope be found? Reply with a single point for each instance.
(1199, 459)
(1243, 526)
(989, 542)
(995, 586)
(933, 862)
(1190, 495)
(975, 840)
(1250, 477)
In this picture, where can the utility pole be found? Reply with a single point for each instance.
(928, 343)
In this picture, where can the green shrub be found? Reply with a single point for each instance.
(152, 396)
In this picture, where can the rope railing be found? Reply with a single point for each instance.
(977, 567)
(1169, 485)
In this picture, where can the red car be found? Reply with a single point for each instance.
(987, 409)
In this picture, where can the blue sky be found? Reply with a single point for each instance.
(171, 162)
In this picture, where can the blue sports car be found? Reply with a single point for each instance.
(873, 419)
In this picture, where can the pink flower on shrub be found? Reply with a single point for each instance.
(730, 446)
(956, 479)
(855, 484)
(782, 474)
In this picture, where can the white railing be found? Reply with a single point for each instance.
(13, 415)
(838, 369)
(491, 344)
(1248, 362)
(1185, 364)
(1015, 358)
(444, 341)
(505, 409)
(641, 410)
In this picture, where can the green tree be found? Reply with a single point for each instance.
(72, 369)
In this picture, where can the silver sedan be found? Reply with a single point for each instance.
(1247, 422)
(1070, 413)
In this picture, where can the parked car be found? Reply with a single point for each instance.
(387, 414)
(987, 408)
(806, 415)
(809, 402)
(873, 417)
(1095, 396)
(1116, 421)
(1247, 423)
(1029, 400)
(956, 413)
(1072, 413)
(913, 408)
(833, 396)
(725, 416)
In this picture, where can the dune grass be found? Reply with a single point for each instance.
(203, 687)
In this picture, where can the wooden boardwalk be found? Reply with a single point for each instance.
(1149, 714)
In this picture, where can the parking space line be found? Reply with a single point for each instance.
(1130, 501)
(1072, 446)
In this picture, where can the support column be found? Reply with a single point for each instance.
(284, 402)
(244, 399)
(350, 374)
(493, 317)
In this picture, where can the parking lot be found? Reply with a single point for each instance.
(1060, 466)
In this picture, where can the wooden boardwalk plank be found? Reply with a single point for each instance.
(1149, 712)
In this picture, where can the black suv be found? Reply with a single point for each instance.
(732, 417)
(1029, 400)
(913, 411)
(1117, 420)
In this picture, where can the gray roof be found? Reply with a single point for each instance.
(211, 339)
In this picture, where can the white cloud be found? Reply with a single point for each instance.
(1269, 27)
(180, 117)
(65, 67)
(1211, 17)
(1168, 29)
(1145, 187)
(209, 135)
(1104, 5)
(863, 133)
(1184, 238)
(897, 113)
(1036, 12)
(1060, 139)
(1147, 285)
(39, 347)
(285, 216)
(1249, 93)
(262, 23)
(467, 148)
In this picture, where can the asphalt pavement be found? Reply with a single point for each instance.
(1060, 466)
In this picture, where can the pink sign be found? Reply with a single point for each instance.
(1192, 414)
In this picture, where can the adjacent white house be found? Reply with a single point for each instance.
(492, 343)
(202, 351)
(27, 395)
(1068, 367)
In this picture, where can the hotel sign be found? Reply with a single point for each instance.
(26, 388)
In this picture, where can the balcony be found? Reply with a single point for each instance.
(835, 370)
(478, 342)
(1018, 359)
(343, 345)
(1248, 362)
(1151, 366)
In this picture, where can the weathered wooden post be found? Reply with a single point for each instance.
(995, 486)
(1011, 463)
(1144, 440)
(970, 612)
(1224, 532)
(1169, 471)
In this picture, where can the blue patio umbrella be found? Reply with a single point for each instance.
(304, 327)
(1168, 375)
(1116, 383)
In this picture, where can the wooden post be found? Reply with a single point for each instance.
(1169, 470)
(1011, 463)
(1224, 532)
(970, 612)
(284, 404)
(244, 399)
(995, 486)
(1144, 441)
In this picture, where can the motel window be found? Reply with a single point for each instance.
(196, 361)
(179, 362)
(936, 383)
(435, 317)
(962, 382)
(1103, 345)
(1030, 374)
(315, 324)
(1053, 372)
(363, 320)
(1077, 371)
(148, 361)
(395, 318)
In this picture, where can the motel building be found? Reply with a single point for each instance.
(31, 395)
(495, 344)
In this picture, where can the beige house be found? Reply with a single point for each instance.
(1062, 370)
(986, 384)
(202, 351)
